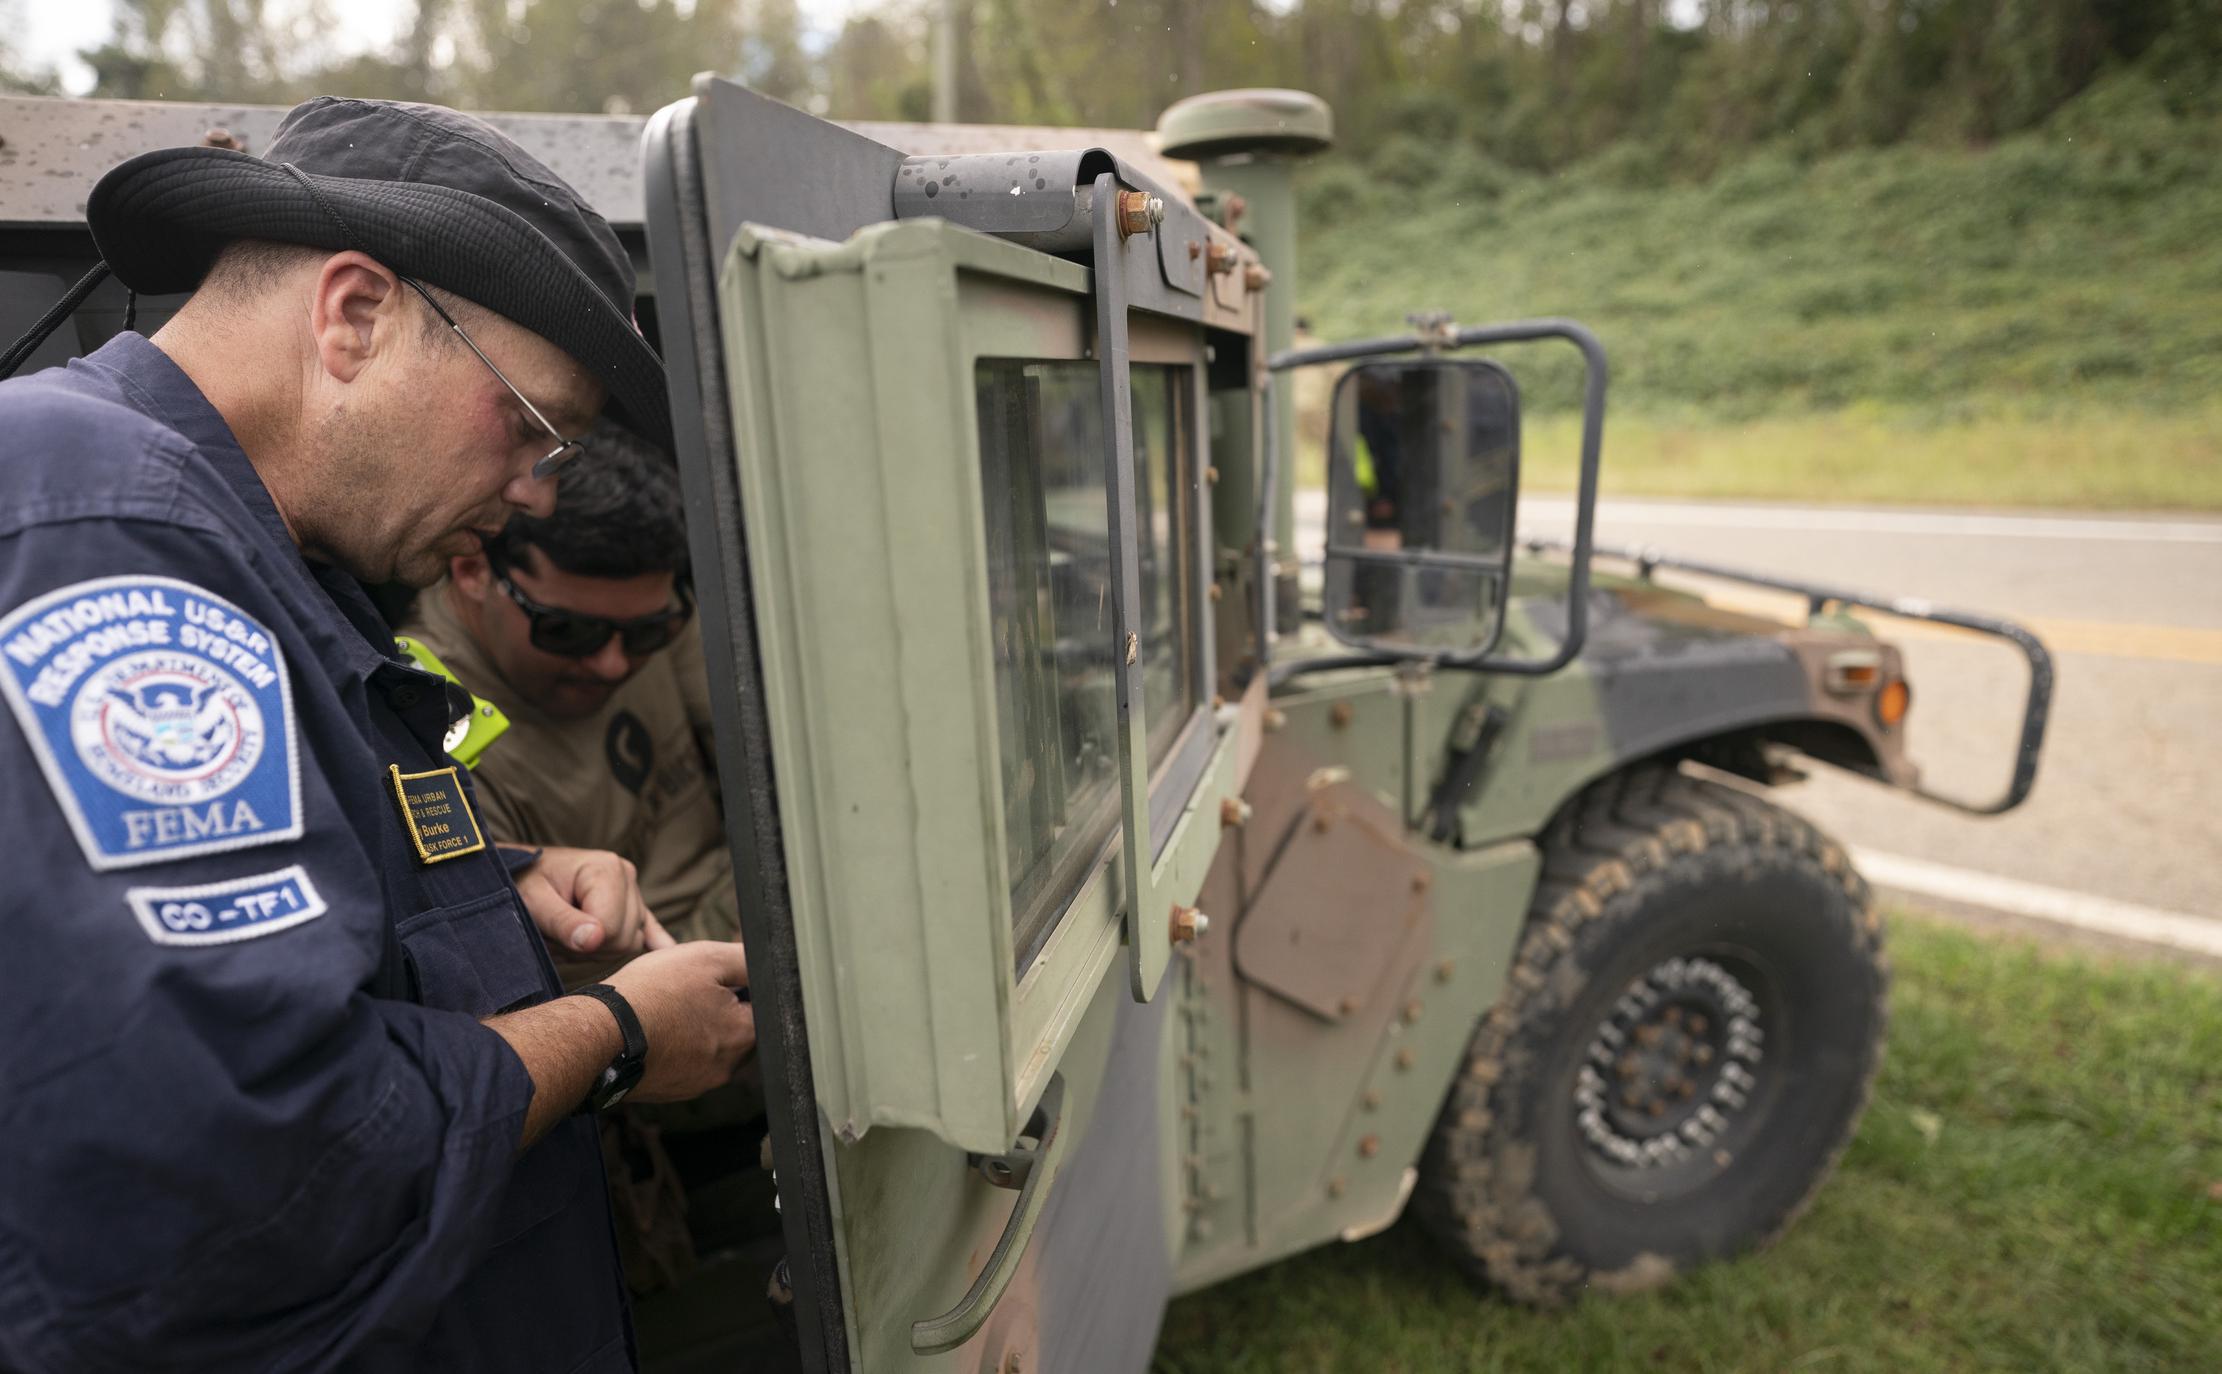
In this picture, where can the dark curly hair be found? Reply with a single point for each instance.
(617, 513)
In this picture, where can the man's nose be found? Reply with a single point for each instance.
(609, 662)
(535, 496)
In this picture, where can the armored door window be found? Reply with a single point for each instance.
(985, 618)
(1048, 574)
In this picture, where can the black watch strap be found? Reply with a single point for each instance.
(618, 1077)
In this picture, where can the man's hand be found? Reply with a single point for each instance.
(698, 1030)
(587, 901)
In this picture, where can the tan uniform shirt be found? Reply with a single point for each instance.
(635, 777)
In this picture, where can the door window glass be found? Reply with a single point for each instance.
(1049, 600)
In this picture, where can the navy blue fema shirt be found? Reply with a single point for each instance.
(221, 1149)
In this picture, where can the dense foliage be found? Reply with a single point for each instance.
(2075, 261)
(1534, 84)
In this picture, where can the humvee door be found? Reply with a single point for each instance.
(947, 499)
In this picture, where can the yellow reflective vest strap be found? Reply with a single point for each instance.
(468, 737)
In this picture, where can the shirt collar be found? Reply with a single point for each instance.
(157, 387)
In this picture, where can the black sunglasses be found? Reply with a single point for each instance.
(574, 634)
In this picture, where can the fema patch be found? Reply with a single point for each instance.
(222, 913)
(162, 717)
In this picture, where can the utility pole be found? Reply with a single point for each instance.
(945, 61)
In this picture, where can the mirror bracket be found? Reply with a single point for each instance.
(1595, 379)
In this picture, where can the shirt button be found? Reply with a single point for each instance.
(402, 697)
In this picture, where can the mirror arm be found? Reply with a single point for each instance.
(1595, 379)
(1269, 491)
(1344, 352)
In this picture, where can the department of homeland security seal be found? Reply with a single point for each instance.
(161, 714)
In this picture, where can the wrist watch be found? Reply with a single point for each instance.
(622, 1073)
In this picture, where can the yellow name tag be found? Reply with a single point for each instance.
(438, 817)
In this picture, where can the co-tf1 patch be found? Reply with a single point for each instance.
(161, 715)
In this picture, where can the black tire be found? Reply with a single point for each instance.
(1695, 950)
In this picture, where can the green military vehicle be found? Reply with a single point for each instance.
(1123, 917)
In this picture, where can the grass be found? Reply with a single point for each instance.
(2037, 1186)
(2134, 460)
(2035, 322)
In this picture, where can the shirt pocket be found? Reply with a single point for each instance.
(476, 956)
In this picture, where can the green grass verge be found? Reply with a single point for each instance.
(2038, 322)
(2090, 459)
(2037, 1186)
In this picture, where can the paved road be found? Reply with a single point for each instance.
(2128, 803)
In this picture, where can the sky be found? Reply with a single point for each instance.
(50, 33)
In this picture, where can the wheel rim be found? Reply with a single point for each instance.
(1676, 1077)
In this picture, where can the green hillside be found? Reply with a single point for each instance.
(2036, 322)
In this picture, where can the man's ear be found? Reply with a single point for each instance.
(470, 574)
(358, 307)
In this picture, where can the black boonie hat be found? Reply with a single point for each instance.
(430, 193)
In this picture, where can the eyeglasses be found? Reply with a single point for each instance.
(564, 450)
(573, 634)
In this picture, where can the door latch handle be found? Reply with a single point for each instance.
(1030, 1168)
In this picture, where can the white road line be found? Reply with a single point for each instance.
(2081, 910)
(1559, 514)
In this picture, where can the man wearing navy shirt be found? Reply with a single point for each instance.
(290, 1081)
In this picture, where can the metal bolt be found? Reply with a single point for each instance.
(223, 138)
(1014, 1363)
(1322, 822)
(1673, 1016)
(1256, 277)
(1405, 1059)
(1412, 1011)
(1188, 923)
(1626, 1069)
(486, 711)
(1211, 475)
(1339, 715)
(1444, 970)
(1373, 1099)
(1422, 881)
(1369, 1147)
(1139, 212)
(1219, 258)
(1233, 811)
(1195, 250)
(1336, 1187)
(1232, 208)
(1348, 1005)
(1275, 718)
(1697, 1024)
(1657, 1108)
(1704, 1054)
(1213, 593)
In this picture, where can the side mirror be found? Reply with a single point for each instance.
(1423, 472)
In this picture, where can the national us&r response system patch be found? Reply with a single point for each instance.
(161, 715)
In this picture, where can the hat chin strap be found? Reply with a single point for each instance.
(62, 309)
